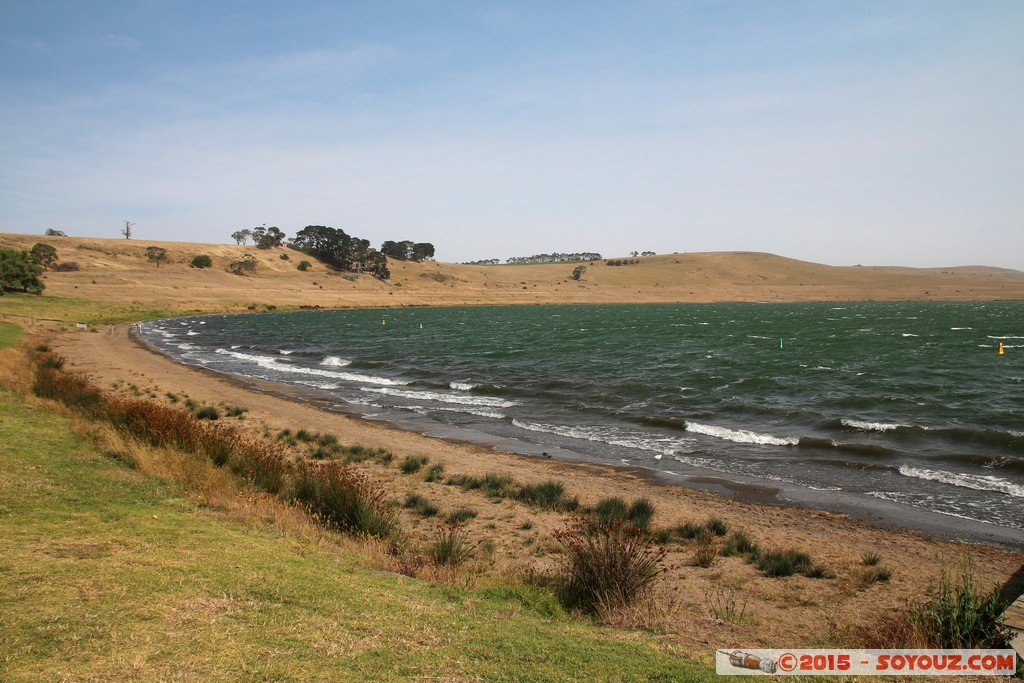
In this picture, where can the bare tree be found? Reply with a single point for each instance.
(127, 232)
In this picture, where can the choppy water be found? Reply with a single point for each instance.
(907, 402)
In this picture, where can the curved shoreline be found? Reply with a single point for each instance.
(876, 512)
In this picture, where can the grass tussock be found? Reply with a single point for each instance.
(420, 504)
(450, 546)
(343, 499)
(787, 562)
(614, 510)
(606, 566)
(411, 464)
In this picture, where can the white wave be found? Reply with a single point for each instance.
(190, 333)
(285, 352)
(186, 346)
(741, 435)
(472, 411)
(871, 426)
(1007, 336)
(978, 482)
(961, 328)
(612, 437)
(910, 334)
(462, 386)
(268, 363)
(335, 362)
(461, 399)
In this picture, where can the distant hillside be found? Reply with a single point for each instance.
(117, 270)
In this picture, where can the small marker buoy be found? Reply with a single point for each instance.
(1001, 352)
(780, 343)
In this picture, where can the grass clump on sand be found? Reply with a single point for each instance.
(422, 505)
(615, 510)
(780, 563)
(548, 495)
(411, 464)
(606, 566)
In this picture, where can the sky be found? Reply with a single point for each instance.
(835, 131)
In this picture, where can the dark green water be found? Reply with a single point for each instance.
(906, 402)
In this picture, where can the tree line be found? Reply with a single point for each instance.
(338, 249)
(556, 257)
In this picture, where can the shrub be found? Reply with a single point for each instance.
(67, 267)
(450, 547)
(959, 615)
(202, 261)
(412, 463)
(283, 257)
(304, 266)
(606, 566)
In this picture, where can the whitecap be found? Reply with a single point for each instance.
(871, 426)
(335, 362)
(607, 435)
(977, 482)
(741, 435)
(462, 386)
(268, 363)
(461, 399)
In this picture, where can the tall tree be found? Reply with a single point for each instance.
(241, 236)
(269, 237)
(127, 232)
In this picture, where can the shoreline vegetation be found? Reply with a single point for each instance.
(506, 535)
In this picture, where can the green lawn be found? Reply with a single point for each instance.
(109, 574)
(10, 335)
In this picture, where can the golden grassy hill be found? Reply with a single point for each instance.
(117, 270)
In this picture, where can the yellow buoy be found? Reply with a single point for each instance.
(1001, 352)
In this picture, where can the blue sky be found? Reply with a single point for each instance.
(832, 131)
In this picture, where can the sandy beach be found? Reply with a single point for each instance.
(785, 611)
